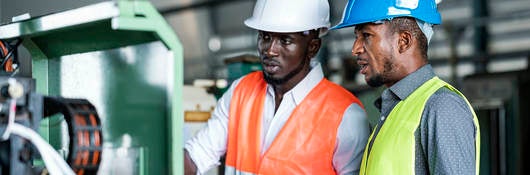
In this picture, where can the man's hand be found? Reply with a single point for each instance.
(189, 166)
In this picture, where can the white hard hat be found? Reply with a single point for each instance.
(287, 16)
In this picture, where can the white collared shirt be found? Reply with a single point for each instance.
(210, 143)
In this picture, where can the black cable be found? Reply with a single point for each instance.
(6, 58)
(11, 49)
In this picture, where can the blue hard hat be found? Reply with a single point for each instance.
(364, 11)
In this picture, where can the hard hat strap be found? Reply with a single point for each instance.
(426, 29)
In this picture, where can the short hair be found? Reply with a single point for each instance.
(401, 24)
(313, 33)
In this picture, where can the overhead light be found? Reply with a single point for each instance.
(214, 44)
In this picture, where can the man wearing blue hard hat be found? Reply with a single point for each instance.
(426, 126)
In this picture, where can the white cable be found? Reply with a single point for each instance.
(15, 90)
(53, 161)
(22, 131)
(10, 120)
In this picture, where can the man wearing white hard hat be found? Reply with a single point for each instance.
(288, 118)
(426, 126)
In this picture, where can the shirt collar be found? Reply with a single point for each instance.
(300, 91)
(404, 87)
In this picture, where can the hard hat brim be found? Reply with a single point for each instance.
(281, 28)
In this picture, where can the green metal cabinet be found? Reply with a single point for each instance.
(125, 59)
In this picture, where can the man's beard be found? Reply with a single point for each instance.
(375, 81)
(381, 78)
(278, 81)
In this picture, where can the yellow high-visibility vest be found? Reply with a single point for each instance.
(393, 150)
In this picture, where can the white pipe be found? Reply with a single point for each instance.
(53, 161)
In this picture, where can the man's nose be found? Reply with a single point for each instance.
(272, 48)
(357, 48)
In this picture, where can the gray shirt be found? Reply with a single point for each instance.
(445, 138)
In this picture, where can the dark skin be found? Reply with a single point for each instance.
(189, 166)
(285, 59)
(385, 56)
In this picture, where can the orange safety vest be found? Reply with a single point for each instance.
(305, 144)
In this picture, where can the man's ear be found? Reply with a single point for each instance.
(314, 46)
(405, 41)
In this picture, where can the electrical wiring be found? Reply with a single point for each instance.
(53, 161)
(55, 164)
(9, 62)
(84, 129)
(10, 120)
(15, 90)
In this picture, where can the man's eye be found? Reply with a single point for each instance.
(366, 35)
(286, 41)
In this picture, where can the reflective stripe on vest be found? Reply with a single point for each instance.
(393, 150)
(305, 144)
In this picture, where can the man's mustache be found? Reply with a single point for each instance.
(270, 61)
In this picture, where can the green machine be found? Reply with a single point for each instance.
(125, 59)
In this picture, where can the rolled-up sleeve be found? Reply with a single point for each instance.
(352, 136)
(207, 147)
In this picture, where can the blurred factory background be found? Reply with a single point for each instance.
(482, 47)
